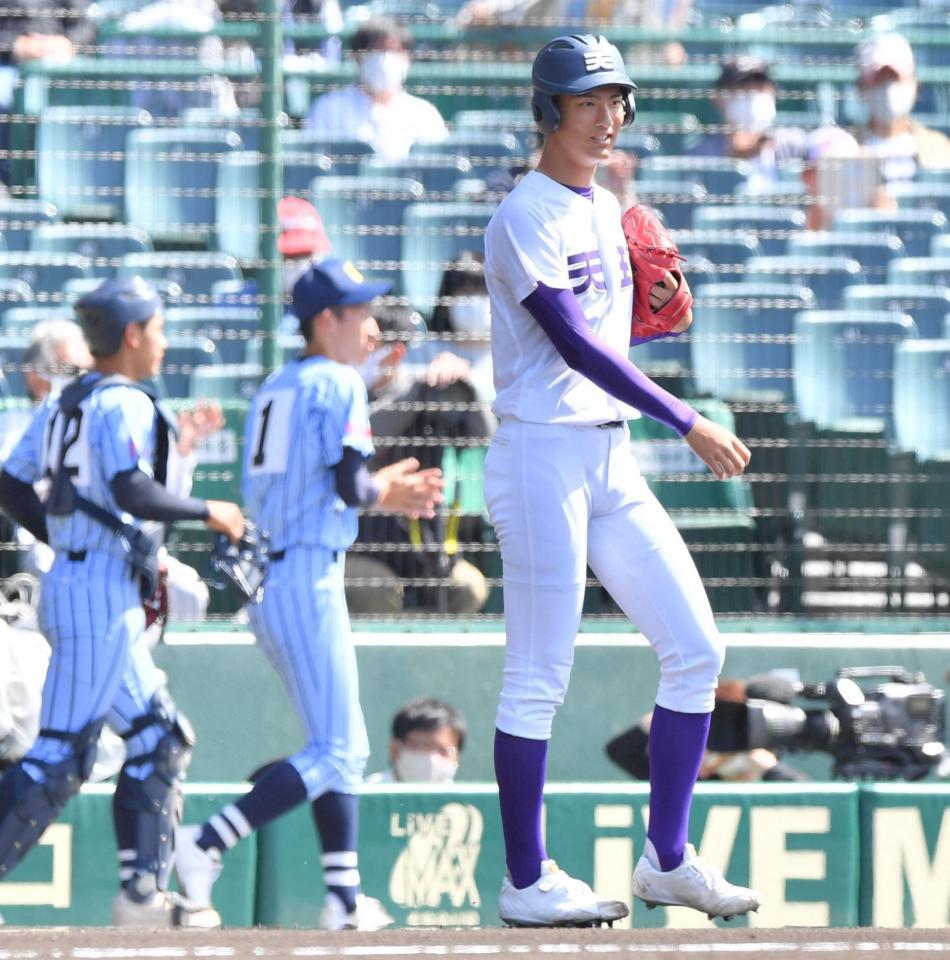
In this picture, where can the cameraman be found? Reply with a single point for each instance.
(629, 748)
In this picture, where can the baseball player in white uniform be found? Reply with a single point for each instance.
(564, 491)
(308, 441)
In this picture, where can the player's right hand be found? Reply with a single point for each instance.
(226, 518)
(720, 449)
(405, 489)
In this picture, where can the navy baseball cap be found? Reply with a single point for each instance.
(333, 283)
(105, 312)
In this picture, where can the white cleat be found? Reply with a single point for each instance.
(556, 900)
(368, 915)
(694, 883)
(196, 869)
(154, 912)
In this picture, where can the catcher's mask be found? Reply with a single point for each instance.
(574, 65)
(240, 568)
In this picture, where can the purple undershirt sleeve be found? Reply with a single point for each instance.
(561, 317)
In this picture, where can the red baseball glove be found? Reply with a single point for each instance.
(652, 254)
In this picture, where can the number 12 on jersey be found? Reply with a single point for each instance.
(270, 436)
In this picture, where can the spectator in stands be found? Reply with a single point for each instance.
(463, 316)
(422, 401)
(302, 238)
(56, 352)
(888, 86)
(152, 30)
(377, 109)
(745, 96)
(427, 742)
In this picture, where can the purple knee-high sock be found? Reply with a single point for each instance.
(520, 766)
(677, 743)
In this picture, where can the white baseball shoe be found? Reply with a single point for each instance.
(196, 869)
(369, 914)
(693, 883)
(154, 912)
(556, 900)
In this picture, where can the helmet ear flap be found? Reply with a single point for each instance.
(545, 111)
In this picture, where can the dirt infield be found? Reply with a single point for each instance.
(88, 943)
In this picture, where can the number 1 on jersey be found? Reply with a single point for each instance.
(270, 439)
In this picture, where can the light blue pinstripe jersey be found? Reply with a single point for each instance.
(116, 432)
(299, 422)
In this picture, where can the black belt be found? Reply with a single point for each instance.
(611, 425)
(280, 554)
(76, 556)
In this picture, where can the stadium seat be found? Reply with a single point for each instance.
(742, 341)
(929, 271)
(492, 154)
(80, 158)
(226, 381)
(715, 518)
(20, 321)
(184, 353)
(237, 201)
(103, 244)
(247, 123)
(635, 141)
(44, 272)
(916, 228)
(170, 176)
(917, 195)
(677, 132)
(19, 218)
(437, 172)
(675, 200)
(721, 176)
(194, 273)
(927, 306)
(344, 155)
(516, 122)
(843, 365)
(922, 398)
(435, 234)
(14, 293)
(235, 331)
(772, 224)
(826, 277)
(939, 247)
(724, 248)
(363, 218)
(858, 490)
(874, 251)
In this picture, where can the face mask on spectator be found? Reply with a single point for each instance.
(750, 112)
(891, 101)
(384, 71)
(290, 272)
(472, 315)
(424, 766)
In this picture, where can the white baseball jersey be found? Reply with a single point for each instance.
(544, 232)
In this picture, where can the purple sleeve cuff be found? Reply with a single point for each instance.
(560, 316)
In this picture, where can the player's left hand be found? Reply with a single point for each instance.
(720, 449)
(405, 489)
(663, 291)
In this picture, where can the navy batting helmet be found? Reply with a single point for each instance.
(105, 312)
(574, 65)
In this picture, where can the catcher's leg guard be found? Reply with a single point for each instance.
(29, 806)
(155, 799)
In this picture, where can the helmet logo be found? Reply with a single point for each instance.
(602, 59)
